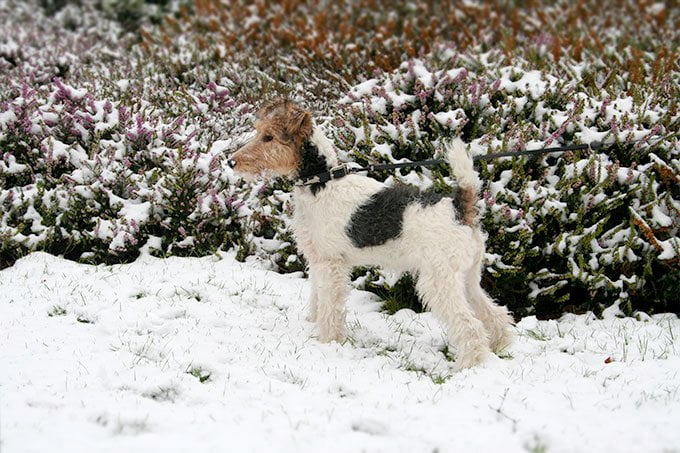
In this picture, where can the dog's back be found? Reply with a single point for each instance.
(371, 223)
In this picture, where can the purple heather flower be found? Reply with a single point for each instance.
(63, 92)
(26, 124)
(75, 131)
(475, 91)
(629, 176)
(544, 39)
(591, 203)
(123, 114)
(411, 69)
(488, 199)
(507, 212)
(614, 126)
(604, 106)
(215, 163)
(190, 136)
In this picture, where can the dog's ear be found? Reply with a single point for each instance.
(298, 128)
(271, 107)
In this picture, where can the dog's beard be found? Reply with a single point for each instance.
(264, 174)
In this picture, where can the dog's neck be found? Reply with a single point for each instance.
(312, 162)
(317, 156)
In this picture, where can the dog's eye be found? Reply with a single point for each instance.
(267, 138)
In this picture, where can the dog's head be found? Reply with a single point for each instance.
(282, 129)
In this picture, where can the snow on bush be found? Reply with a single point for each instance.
(99, 161)
(566, 232)
(92, 178)
(110, 149)
(112, 142)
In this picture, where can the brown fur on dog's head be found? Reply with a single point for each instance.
(282, 129)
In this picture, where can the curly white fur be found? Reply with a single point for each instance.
(446, 255)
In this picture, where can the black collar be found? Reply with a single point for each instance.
(337, 172)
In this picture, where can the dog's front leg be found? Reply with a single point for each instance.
(331, 279)
(313, 297)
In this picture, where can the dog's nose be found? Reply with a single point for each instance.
(231, 163)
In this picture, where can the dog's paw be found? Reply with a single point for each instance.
(502, 339)
(501, 329)
(330, 336)
(474, 358)
(311, 316)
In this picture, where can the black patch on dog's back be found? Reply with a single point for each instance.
(381, 218)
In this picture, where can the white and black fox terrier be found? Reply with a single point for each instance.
(358, 221)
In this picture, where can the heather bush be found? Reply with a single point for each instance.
(112, 138)
(331, 45)
(88, 179)
(568, 232)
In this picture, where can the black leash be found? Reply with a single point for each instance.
(343, 170)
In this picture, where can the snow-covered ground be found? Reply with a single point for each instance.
(189, 354)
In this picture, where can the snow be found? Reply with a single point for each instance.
(6, 118)
(657, 8)
(11, 165)
(451, 118)
(138, 212)
(531, 82)
(120, 240)
(669, 247)
(209, 354)
(660, 217)
(364, 88)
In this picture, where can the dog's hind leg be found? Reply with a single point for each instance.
(496, 318)
(443, 291)
(332, 281)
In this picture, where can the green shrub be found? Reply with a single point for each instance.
(112, 137)
(570, 232)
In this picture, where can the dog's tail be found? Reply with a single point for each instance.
(468, 180)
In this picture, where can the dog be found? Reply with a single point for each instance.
(354, 220)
